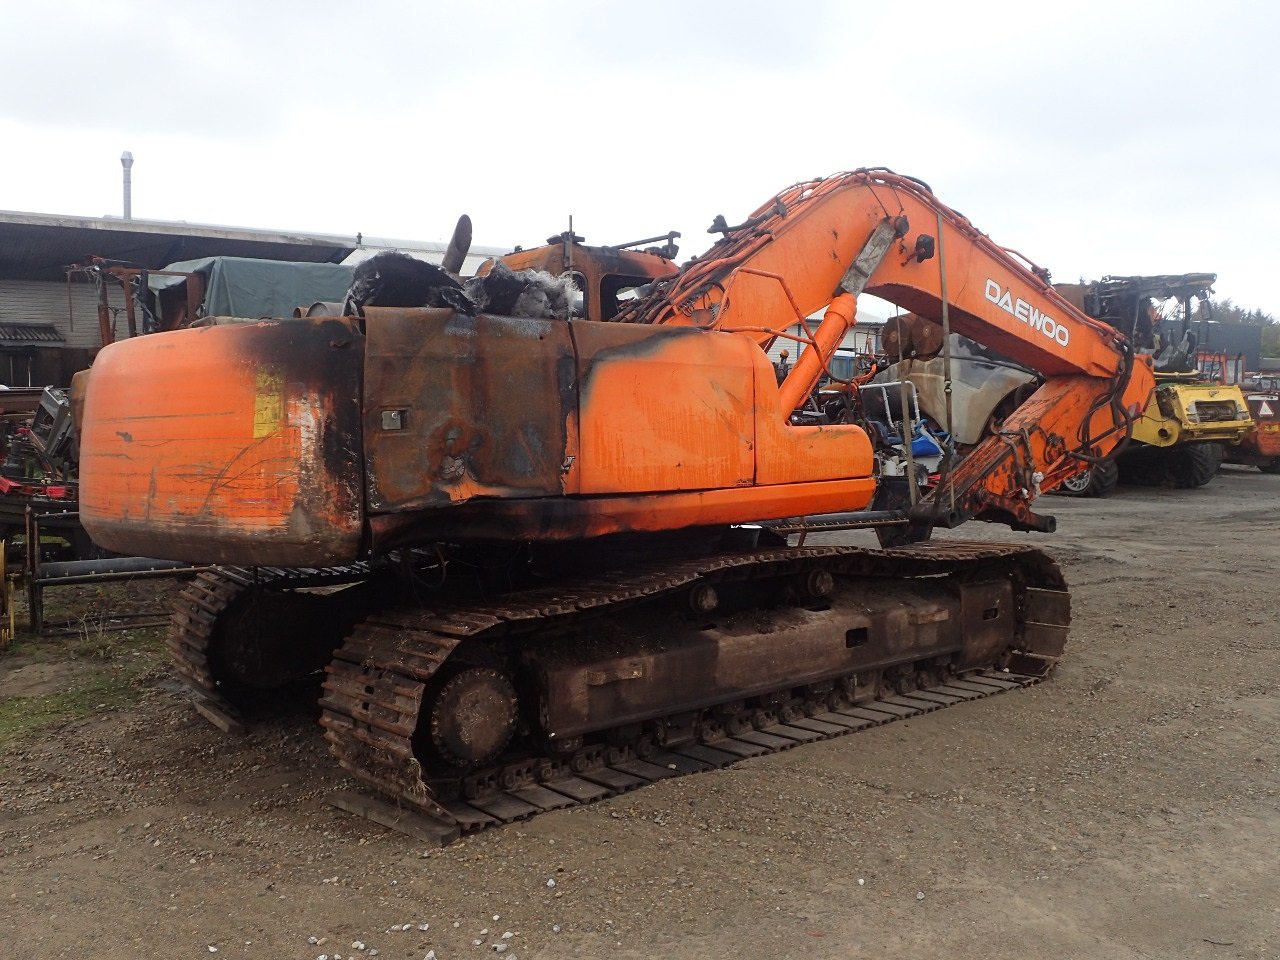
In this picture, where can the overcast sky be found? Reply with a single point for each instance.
(1095, 138)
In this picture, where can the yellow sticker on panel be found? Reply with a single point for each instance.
(268, 404)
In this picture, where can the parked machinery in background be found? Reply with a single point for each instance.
(38, 465)
(1195, 415)
(1260, 447)
(1179, 440)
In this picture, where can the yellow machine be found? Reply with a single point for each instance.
(1178, 440)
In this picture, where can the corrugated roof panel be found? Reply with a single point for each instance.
(71, 308)
(28, 334)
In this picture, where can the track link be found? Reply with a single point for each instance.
(201, 610)
(191, 627)
(376, 683)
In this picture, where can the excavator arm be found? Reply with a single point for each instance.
(818, 245)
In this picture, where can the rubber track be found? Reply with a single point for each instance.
(375, 684)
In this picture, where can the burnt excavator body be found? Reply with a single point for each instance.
(304, 442)
(554, 553)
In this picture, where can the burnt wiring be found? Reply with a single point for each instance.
(413, 570)
(876, 196)
(905, 176)
(427, 569)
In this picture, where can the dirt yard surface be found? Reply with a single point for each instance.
(1130, 807)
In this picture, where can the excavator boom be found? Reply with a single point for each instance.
(806, 250)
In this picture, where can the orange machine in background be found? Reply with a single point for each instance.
(1260, 447)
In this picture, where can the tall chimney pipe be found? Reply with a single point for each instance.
(126, 161)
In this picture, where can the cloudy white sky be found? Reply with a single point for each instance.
(1117, 137)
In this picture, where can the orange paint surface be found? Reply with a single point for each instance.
(207, 436)
(663, 410)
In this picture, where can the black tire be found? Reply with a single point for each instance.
(1142, 466)
(1103, 479)
(1193, 465)
(1099, 480)
(1271, 466)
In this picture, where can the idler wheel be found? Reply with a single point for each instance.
(474, 716)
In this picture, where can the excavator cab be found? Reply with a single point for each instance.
(607, 277)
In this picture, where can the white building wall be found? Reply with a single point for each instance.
(71, 308)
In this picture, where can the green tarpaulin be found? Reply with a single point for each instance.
(242, 287)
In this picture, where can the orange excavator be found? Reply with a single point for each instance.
(545, 560)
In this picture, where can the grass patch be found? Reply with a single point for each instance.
(106, 688)
(101, 666)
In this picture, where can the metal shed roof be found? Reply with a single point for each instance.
(25, 334)
(38, 246)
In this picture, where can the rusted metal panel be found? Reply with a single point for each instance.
(603, 681)
(237, 442)
(459, 407)
(20, 400)
(986, 619)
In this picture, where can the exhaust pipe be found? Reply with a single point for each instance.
(126, 161)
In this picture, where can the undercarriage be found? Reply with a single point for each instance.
(473, 711)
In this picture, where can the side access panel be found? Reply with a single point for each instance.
(458, 408)
(503, 428)
(664, 408)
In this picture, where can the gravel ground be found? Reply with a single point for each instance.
(1128, 808)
